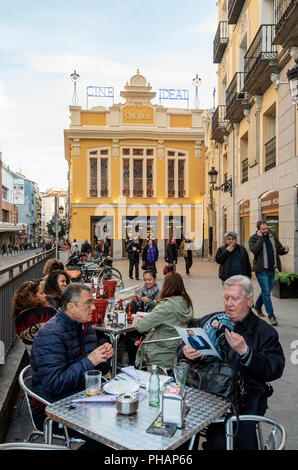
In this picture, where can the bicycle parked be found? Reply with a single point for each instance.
(85, 271)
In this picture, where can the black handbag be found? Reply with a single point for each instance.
(213, 375)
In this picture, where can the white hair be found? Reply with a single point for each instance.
(242, 281)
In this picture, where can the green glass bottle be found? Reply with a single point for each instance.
(154, 387)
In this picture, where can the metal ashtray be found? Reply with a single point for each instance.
(127, 403)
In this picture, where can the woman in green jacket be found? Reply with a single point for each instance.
(174, 308)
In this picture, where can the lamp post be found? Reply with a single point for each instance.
(75, 77)
(226, 186)
(292, 76)
(196, 81)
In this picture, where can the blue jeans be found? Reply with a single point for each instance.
(266, 282)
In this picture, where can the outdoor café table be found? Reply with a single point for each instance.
(114, 333)
(103, 423)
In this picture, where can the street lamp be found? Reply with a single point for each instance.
(196, 81)
(292, 76)
(75, 77)
(226, 186)
(293, 82)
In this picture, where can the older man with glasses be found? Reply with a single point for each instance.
(65, 348)
(256, 354)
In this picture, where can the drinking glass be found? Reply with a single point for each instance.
(180, 373)
(93, 382)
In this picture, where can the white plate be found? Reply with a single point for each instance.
(115, 387)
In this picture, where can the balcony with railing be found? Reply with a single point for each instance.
(270, 154)
(236, 99)
(244, 170)
(260, 61)
(234, 10)
(220, 41)
(218, 123)
(286, 29)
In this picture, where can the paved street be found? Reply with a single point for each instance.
(205, 290)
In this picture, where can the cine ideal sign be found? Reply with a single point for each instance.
(173, 94)
(100, 92)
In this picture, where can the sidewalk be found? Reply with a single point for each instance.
(205, 290)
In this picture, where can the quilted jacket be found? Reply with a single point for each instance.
(59, 357)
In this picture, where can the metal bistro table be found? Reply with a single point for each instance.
(114, 333)
(103, 423)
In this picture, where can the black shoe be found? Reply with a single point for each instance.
(259, 312)
(137, 278)
(130, 277)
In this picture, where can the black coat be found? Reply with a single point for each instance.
(171, 255)
(223, 258)
(266, 363)
(256, 247)
(133, 254)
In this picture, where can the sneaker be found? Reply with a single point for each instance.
(259, 312)
(273, 321)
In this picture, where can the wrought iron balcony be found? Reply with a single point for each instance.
(244, 170)
(234, 10)
(236, 99)
(270, 154)
(220, 41)
(286, 29)
(260, 61)
(218, 124)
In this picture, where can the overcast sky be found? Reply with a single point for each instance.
(43, 41)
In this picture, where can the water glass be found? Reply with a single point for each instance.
(180, 373)
(93, 383)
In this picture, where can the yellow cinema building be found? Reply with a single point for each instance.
(135, 168)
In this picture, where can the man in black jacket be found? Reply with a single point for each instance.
(266, 249)
(133, 249)
(232, 258)
(255, 352)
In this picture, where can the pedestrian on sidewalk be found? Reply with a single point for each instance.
(232, 258)
(266, 249)
(133, 249)
(186, 251)
(150, 255)
(171, 255)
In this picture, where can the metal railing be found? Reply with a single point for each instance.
(270, 154)
(244, 170)
(234, 88)
(282, 11)
(261, 48)
(218, 118)
(14, 275)
(220, 41)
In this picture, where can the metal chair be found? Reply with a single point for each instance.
(161, 340)
(272, 441)
(30, 446)
(25, 381)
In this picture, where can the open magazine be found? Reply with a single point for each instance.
(210, 339)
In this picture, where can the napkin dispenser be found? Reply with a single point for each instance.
(173, 406)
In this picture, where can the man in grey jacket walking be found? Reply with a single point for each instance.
(266, 249)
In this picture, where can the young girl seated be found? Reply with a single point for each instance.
(150, 292)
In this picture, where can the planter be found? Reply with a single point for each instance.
(283, 291)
